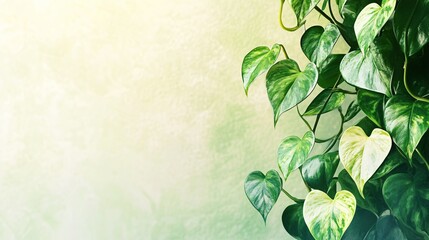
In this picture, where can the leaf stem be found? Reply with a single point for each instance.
(324, 14)
(344, 91)
(332, 144)
(292, 197)
(423, 158)
(292, 29)
(406, 82)
(284, 51)
(303, 119)
(332, 13)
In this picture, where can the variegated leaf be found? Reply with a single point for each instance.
(329, 71)
(406, 120)
(370, 21)
(302, 8)
(287, 85)
(257, 62)
(317, 43)
(318, 103)
(362, 155)
(319, 170)
(293, 152)
(352, 110)
(329, 218)
(263, 190)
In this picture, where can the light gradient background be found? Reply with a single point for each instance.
(128, 120)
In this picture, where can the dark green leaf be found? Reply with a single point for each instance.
(408, 198)
(411, 23)
(362, 222)
(367, 125)
(372, 104)
(287, 85)
(319, 170)
(386, 228)
(318, 103)
(317, 43)
(302, 8)
(372, 71)
(406, 120)
(329, 71)
(257, 62)
(352, 110)
(263, 191)
(293, 152)
(293, 222)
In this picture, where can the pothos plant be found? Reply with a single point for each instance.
(381, 188)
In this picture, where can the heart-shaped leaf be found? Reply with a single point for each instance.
(302, 8)
(293, 222)
(319, 170)
(372, 104)
(349, 10)
(372, 71)
(327, 218)
(263, 190)
(352, 110)
(386, 227)
(408, 198)
(318, 103)
(329, 71)
(362, 155)
(287, 85)
(370, 21)
(257, 62)
(293, 152)
(361, 224)
(317, 43)
(411, 22)
(406, 120)
(393, 160)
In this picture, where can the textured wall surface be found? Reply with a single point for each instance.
(128, 120)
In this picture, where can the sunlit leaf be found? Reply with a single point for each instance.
(317, 43)
(302, 8)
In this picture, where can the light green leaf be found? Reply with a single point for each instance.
(327, 218)
(257, 62)
(318, 103)
(302, 8)
(263, 190)
(352, 110)
(386, 227)
(317, 43)
(372, 71)
(361, 224)
(406, 120)
(293, 222)
(319, 170)
(370, 21)
(408, 198)
(293, 152)
(362, 155)
(411, 23)
(372, 105)
(329, 71)
(287, 85)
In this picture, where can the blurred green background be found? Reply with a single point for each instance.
(128, 120)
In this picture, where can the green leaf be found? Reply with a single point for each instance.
(287, 85)
(361, 155)
(406, 120)
(349, 10)
(386, 227)
(263, 190)
(411, 22)
(316, 106)
(361, 224)
(293, 152)
(329, 71)
(293, 222)
(393, 161)
(257, 62)
(370, 21)
(302, 8)
(319, 170)
(408, 198)
(372, 71)
(352, 110)
(367, 125)
(327, 218)
(317, 43)
(372, 105)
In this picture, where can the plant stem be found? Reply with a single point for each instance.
(406, 83)
(324, 14)
(292, 197)
(332, 14)
(303, 119)
(332, 144)
(284, 51)
(282, 2)
(344, 91)
(423, 158)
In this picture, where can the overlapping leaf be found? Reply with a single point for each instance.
(329, 218)
(319, 170)
(386, 227)
(361, 155)
(352, 110)
(287, 85)
(372, 105)
(256, 62)
(406, 120)
(329, 71)
(293, 222)
(293, 152)
(318, 103)
(302, 8)
(317, 43)
(263, 190)
(361, 224)
(370, 21)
